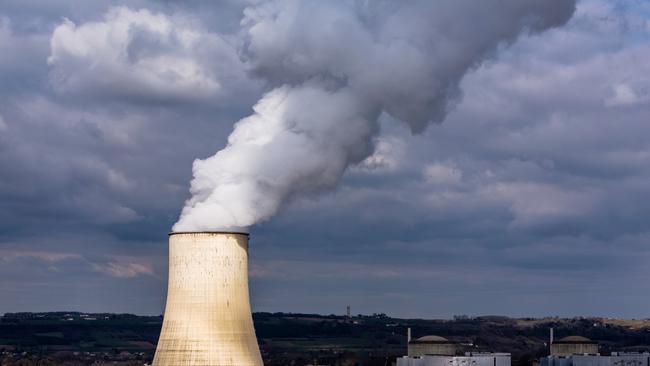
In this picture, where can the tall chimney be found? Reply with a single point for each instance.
(208, 314)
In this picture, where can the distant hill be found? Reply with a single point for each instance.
(83, 338)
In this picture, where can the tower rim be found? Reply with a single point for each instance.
(207, 232)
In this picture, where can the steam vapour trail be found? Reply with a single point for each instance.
(332, 68)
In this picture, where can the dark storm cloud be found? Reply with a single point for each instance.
(531, 196)
(90, 172)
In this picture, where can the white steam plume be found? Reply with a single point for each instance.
(333, 67)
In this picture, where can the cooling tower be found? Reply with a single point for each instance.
(208, 314)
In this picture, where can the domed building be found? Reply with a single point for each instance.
(581, 351)
(574, 345)
(431, 345)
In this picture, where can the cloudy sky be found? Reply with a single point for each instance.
(529, 199)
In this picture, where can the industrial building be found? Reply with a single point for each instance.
(615, 359)
(469, 359)
(208, 317)
(432, 350)
(581, 351)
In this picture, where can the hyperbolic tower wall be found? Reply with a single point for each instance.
(208, 314)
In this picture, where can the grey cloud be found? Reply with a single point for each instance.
(100, 178)
(122, 269)
(140, 55)
(22, 61)
(532, 192)
(69, 281)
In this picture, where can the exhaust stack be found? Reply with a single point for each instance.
(208, 314)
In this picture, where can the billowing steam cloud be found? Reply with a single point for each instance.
(332, 68)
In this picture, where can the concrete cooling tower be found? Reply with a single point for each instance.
(208, 314)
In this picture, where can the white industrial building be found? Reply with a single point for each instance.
(615, 359)
(469, 359)
(581, 351)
